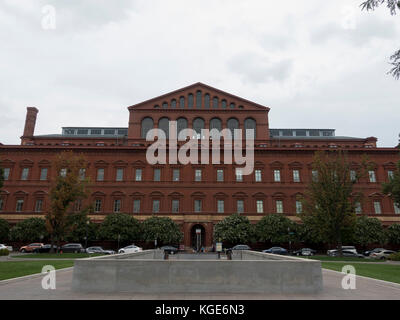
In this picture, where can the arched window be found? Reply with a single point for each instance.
(182, 102)
(173, 103)
(156, 106)
(215, 123)
(198, 99)
(147, 124)
(233, 124)
(223, 104)
(250, 123)
(232, 105)
(207, 101)
(165, 105)
(190, 100)
(181, 123)
(215, 102)
(198, 124)
(163, 124)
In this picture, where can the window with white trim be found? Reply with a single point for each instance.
(377, 207)
(372, 176)
(279, 206)
(277, 175)
(260, 206)
(296, 175)
(299, 206)
(258, 175)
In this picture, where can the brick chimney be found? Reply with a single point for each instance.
(30, 121)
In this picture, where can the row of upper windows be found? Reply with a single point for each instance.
(198, 174)
(198, 124)
(197, 206)
(192, 101)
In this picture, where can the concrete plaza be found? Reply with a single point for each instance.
(30, 288)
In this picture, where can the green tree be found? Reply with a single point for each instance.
(393, 6)
(67, 187)
(234, 229)
(32, 229)
(392, 188)
(328, 208)
(120, 225)
(275, 228)
(393, 233)
(79, 225)
(4, 230)
(368, 231)
(162, 229)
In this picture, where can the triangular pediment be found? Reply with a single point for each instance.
(172, 100)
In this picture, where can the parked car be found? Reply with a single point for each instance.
(382, 255)
(130, 249)
(347, 248)
(346, 253)
(3, 246)
(169, 249)
(30, 247)
(72, 248)
(99, 250)
(276, 250)
(376, 250)
(241, 247)
(45, 249)
(304, 252)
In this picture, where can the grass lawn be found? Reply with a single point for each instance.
(377, 271)
(13, 269)
(355, 259)
(56, 256)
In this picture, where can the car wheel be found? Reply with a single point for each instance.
(23, 250)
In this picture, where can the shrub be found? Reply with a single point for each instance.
(4, 252)
(395, 256)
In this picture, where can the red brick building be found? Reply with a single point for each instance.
(196, 196)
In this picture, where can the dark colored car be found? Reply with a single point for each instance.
(276, 250)
(72, 248)
(45, 249)
(99, 250)
(304, 252)
(169, 249)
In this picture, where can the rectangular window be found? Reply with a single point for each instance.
(82, 174)
(120, 174)
(156, 206)
(220, 206)
(372, 176)
(138, 175)
(353, 175)
(175, 206)
(197, 175)
(100, 174)
(396, 208)
(6, 173)
(377, 207)
(277, 175)
(1, 204)
(63, 172)
(78, 205)
(117, 205)
(157, 174)
(279, 206)
(358, 208)
(43, 174)
(239, 175)
(296, 176)
(299, 207)
(260, 206)
(197, 205)
(220, 175)
(24, 174)
(258, 175)
(97, 205)
(314, 175)
(175, 175)
(20, 204)
(38, 205)
(390, 174)
(240, 206)
(136, 206)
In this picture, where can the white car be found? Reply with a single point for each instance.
(347, 248)
(3, 246)
(130, 249)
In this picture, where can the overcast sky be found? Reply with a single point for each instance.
(316, 64)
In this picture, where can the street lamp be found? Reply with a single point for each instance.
(86, 237)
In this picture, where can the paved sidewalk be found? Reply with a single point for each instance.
(30, 288)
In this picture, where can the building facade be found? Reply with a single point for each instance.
(196, 196)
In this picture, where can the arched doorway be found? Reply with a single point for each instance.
(198, 237)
